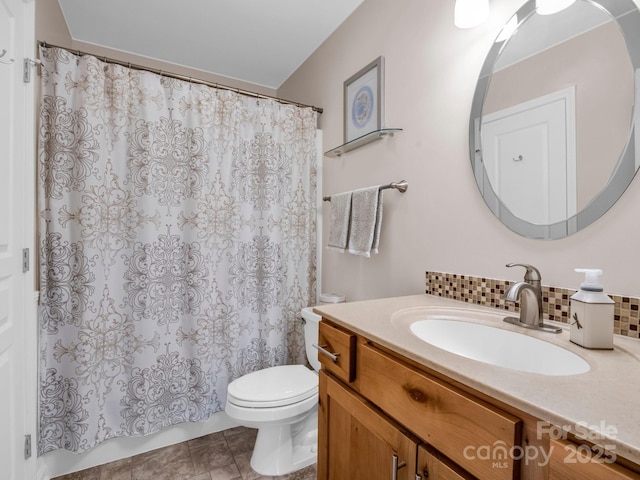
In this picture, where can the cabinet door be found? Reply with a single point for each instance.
(571, 462)
(433, 466)
(357, 442)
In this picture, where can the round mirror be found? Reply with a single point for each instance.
(552, 138)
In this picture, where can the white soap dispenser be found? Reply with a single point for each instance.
(591, 313)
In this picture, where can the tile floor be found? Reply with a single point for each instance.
(218, 456)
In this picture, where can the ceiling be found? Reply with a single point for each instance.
(258, 41)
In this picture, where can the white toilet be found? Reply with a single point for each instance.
(282, 403)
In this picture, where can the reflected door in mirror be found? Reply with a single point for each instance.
(529, 155)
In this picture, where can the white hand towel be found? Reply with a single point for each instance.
(366, 220)
(339, 221)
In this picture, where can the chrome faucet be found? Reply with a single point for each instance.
(529, 294)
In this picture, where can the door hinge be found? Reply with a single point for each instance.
(25, 260)
(27, 446)
(26, 71)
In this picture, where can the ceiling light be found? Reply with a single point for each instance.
(469, 13)
(548, 7)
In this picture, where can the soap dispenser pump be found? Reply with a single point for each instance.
(591, 313)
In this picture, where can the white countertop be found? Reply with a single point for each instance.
(606, 399)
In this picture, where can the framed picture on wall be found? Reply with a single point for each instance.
(363, 101)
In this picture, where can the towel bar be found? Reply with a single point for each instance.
(401, 186)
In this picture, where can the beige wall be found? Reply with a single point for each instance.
(52, 28)
(441, 223)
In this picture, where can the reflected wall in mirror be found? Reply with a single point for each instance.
(551, 128)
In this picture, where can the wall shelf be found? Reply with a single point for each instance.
(363, 140)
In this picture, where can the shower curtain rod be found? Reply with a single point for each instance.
(184, 77)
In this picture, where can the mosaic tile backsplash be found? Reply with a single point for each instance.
(555, 301)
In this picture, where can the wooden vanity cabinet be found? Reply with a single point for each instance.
(376, 405)
(469, 431)
(383, 407)
(356, 441)
(569, 461)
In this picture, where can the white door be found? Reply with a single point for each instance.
(16, 225)
(529, 155)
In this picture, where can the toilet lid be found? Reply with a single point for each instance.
(273, 387)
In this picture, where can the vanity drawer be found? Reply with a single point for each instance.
(337, 351)
(472, 433)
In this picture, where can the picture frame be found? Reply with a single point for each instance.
(363, 101)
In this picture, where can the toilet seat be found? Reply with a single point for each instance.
(273, 387)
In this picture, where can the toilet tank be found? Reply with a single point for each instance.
(311, 327)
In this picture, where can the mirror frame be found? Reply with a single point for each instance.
(627, 15)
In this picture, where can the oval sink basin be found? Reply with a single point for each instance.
(499, 347)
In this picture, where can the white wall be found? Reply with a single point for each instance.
(441, 223)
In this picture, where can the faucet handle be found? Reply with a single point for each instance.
(531, 275)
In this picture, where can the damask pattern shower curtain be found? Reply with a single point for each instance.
(177, 246)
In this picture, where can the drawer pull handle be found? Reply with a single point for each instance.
(322, 350)
(395, 466)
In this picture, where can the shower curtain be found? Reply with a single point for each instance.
(177, 246)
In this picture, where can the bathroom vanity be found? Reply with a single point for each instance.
(393, 406)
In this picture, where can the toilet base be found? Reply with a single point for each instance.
(282, 449)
